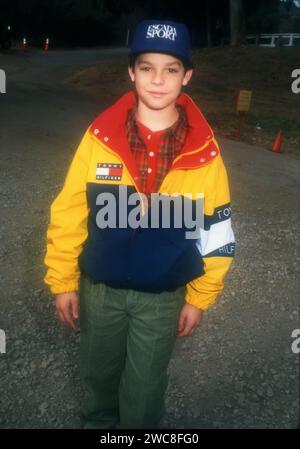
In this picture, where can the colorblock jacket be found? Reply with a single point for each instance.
(102, 186)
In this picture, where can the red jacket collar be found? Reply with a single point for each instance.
(109, 128)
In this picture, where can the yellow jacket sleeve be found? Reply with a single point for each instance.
(217, 241)
(67, 230)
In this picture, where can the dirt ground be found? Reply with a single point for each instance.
(219, 73)
(238, 369)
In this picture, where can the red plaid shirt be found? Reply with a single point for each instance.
(155, 151)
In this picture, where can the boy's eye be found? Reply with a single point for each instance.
(148, 68)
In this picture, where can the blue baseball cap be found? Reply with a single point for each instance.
(162, 36)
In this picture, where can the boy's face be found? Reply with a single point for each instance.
(158, 79)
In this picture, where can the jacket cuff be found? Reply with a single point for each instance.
(65, 288)
(200, 300)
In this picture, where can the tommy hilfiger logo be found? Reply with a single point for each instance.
(161, 31)
(110, 172)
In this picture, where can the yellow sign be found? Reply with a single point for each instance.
(244, 100)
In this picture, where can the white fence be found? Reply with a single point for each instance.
(274, 40)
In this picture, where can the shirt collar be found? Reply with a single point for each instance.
(177, 130)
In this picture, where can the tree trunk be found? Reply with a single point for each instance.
(208, 23)
(237, 22)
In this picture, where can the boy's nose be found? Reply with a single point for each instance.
(157, 78)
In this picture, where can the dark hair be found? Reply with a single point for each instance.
(188, 65)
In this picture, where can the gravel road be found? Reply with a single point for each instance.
(237, 370)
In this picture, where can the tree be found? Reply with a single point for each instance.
(237, 22)
(208, 23)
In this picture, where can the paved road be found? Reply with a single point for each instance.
(237, 370)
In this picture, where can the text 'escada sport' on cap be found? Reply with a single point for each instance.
(161, 36)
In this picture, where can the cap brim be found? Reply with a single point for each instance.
(181, 58)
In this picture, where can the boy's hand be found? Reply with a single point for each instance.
(67, 308)
(189, 318)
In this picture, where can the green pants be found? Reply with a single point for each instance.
(126, 342)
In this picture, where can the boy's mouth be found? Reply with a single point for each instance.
(157, 94)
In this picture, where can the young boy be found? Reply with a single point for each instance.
(139, 287)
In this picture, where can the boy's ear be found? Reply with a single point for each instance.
(187, 77)
(131, 74)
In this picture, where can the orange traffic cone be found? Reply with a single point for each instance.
(46, 48)
(277, 142)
